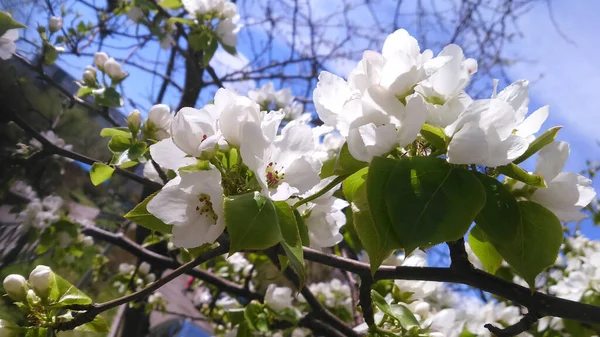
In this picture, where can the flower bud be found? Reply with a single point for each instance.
(8, 328)
(16, 287)
(55, 24)
(89, 76)
(39, 279)
(88, 241)
(112, 68)
(134, 121)
(144, 268)
(100, 59)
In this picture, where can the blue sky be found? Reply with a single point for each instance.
(561, 66)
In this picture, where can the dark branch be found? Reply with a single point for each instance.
(521, 326)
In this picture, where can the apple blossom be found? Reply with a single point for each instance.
(134, 120)
(55, 23)
(485, 134)
(144, 268)
(228, 29)
(324, 216)
(278, 298)
(158, 123)
(193, 204)
(196, 132)
(567, 192)
(16, 287)
(416, 289)
(285, 166)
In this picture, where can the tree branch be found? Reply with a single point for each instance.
(534, 301)
(521, 326)
(90, 313)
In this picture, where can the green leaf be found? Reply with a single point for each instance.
(96, 325)
(544, 139)
(120, 131)
(292, 243)
(120, 143)
(7, 22)
(142, 217)
(100, 173)
(354, 182)
(500, 218)
(173, 20)
(170, 4)
(199, 39)
(63, 293)
(513, 171)
(397, 311)
(345, 163)
(251, 221)
(36, 332)
(108, 97)
(137, 150)
(485, 251)
(377, 239)
(435, 136)
(327, 168)
(302, 229)
(536, 243)
(255, 317)
(244, 330)
(210, 52)
(84, 91)
(50, 54)
(428, 200)
(229, 49)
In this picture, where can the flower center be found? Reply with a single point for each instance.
(205, 208)
(273, 175)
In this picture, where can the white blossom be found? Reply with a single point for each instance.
(278, 298)
(7, 42)
(193, 204)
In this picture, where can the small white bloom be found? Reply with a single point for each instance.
(88, 241)
(193, 204)
(55, 23)
(324, 217)
(113, 69)
(228, 29)
(494, 132)
(567, 192)
(278, 298)
(196, 132)
(126, 268)
(159, 121)
(419, 289)
(100, 59)
(285, 166)
(263, 95)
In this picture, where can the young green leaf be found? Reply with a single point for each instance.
(354, 182)
(7, 22)
(500, 218)
(513, 171)
(98, 324)
(396, 311)
(210, 52)
(108, 97)
(428, 200)
(99, 173)
(63, 293)
(255, 317)
(142, 217)
(170, 4)
(251, 221)
(345, 163)
(536, 244)
(292, 242)
(435, 136)
(120, 131)
(544, 139)
(484, 250)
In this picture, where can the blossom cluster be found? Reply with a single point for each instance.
(224, 11)
(138, 278)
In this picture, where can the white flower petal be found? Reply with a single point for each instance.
(166, 154)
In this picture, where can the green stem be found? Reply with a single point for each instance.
(324, 190)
